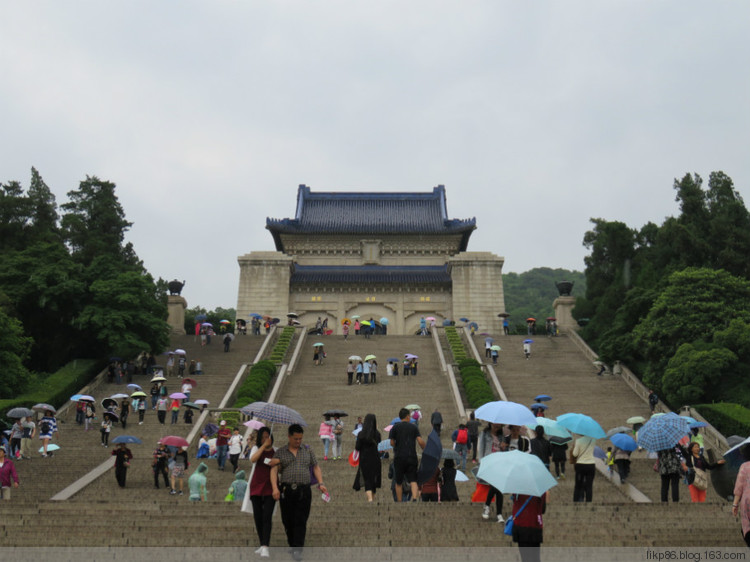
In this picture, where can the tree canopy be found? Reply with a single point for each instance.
(69, 282)
(673, 301)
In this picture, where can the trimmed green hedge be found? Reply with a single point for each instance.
(57, 388)
(729, 419)
(454, 342)
(476, 387)
(255, 385)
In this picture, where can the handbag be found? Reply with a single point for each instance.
(700, 480)
(571, 457)
(509, 523)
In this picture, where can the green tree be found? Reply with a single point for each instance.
(14, 347)
(532, 292)
(694, 372)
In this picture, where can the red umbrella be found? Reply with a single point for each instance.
(174, 441)
(531, 319)
(190, 381)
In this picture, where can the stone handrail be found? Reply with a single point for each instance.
(711, 435)
(448, 369)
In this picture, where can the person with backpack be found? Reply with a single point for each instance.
(90, 415)
(461, 438)
(47, 428)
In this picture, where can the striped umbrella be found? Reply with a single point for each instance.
(278, 413)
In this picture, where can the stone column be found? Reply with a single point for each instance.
(478, 289)
(264, 284)
(176, 306)
(564, 313)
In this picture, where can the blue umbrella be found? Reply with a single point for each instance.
(255, 315)
(542, 397)
(431, 455)
(599, 453)
(392, 359)
(394, 421)
(624, 442)
(514, 472)
(200, 317)
(697, 424)
(662, 432)
(461, 477)
(473, 325)
(384, 445)
(551, 428)
(135, 386)
(489, 340)
(446, 322)
(384, 321)
(126, 439)
(582, 425)
(210, 429)
(464, 319)
(528, 341)
(538, 406)
(505, 412)
(689, 419)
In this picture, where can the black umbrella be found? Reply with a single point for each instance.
(18, 413)
(431, 456)
(112, 415)
(340, 413)
(108, 403)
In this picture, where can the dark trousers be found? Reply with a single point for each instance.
(295, 509)
(498, 495)
(623, 468)
(429, 497)
(235, 460)
(474, 439)
(162, 415)
(665, 481)
(161, 469)
(559, 467)
(141, 413)
(530, 551)
(349, 377)
(124, 420)
(121, 473)
(262, 512)
(584, 484)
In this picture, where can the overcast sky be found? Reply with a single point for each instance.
(536, 116)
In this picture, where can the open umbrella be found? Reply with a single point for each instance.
(388, 428)
(411, 356)
(734, 456)
(318, 344)
(473, 325)
(278, 413)
(191, 382)
(551, 318)
(202, 402)
(357, 431)
(355, 316)
(624, 442)
(178, 396)
(503, 315)
(620, 429)
(551, 428)
(365, 323)
(158, 378)
(252, 408)
(697, 424)
(582, 425)
(20, 412)
(384, 321)
(180, 352)
(41, 407)
(461, 477)
(174, 441)
(87, 398)
(538, 406)
(345, 321)
(446, 322)
(431, 455)
(542, 397)
(431, 319)
(210, 429)
(254, 424)
(192, 405)
(450, 454)
(224, 322)
(528, 341)
(50, 447)
(134, 386)
(138, 394)
(126, 439)
(496, 348)
(505, 412)
(108, 403)
(531, 319)
(369, 357)
(413, 407)
(355, 358)
(292, 315)
(464, 319)
(636, 419)
(207, 324)
(335, 412)
(200, 317)
(255, 315)
(118, 396)
(393, 359)
(111, 415)
(384, 445)
(514, 472)
(599, 453)
(662, 432)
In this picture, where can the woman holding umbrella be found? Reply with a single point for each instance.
(261, 491)
(47, 428)
(697, 472)
(122, 461)
(369, 457)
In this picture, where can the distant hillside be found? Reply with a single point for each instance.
(532, 293)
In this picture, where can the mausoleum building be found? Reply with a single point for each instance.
(376, 255)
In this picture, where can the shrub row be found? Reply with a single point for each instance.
(476, 387)
(255, 385)
(57, 388)
(728, 419)
(282, 345)
(454, 342)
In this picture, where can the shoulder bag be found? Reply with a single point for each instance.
(509, 523)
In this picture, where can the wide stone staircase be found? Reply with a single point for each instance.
(138, 515)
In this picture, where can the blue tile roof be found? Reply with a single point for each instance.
(371, 214)
(414, 274)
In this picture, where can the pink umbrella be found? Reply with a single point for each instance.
(254, 424)
(387, 427)
(174, 441)
(178, 395)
